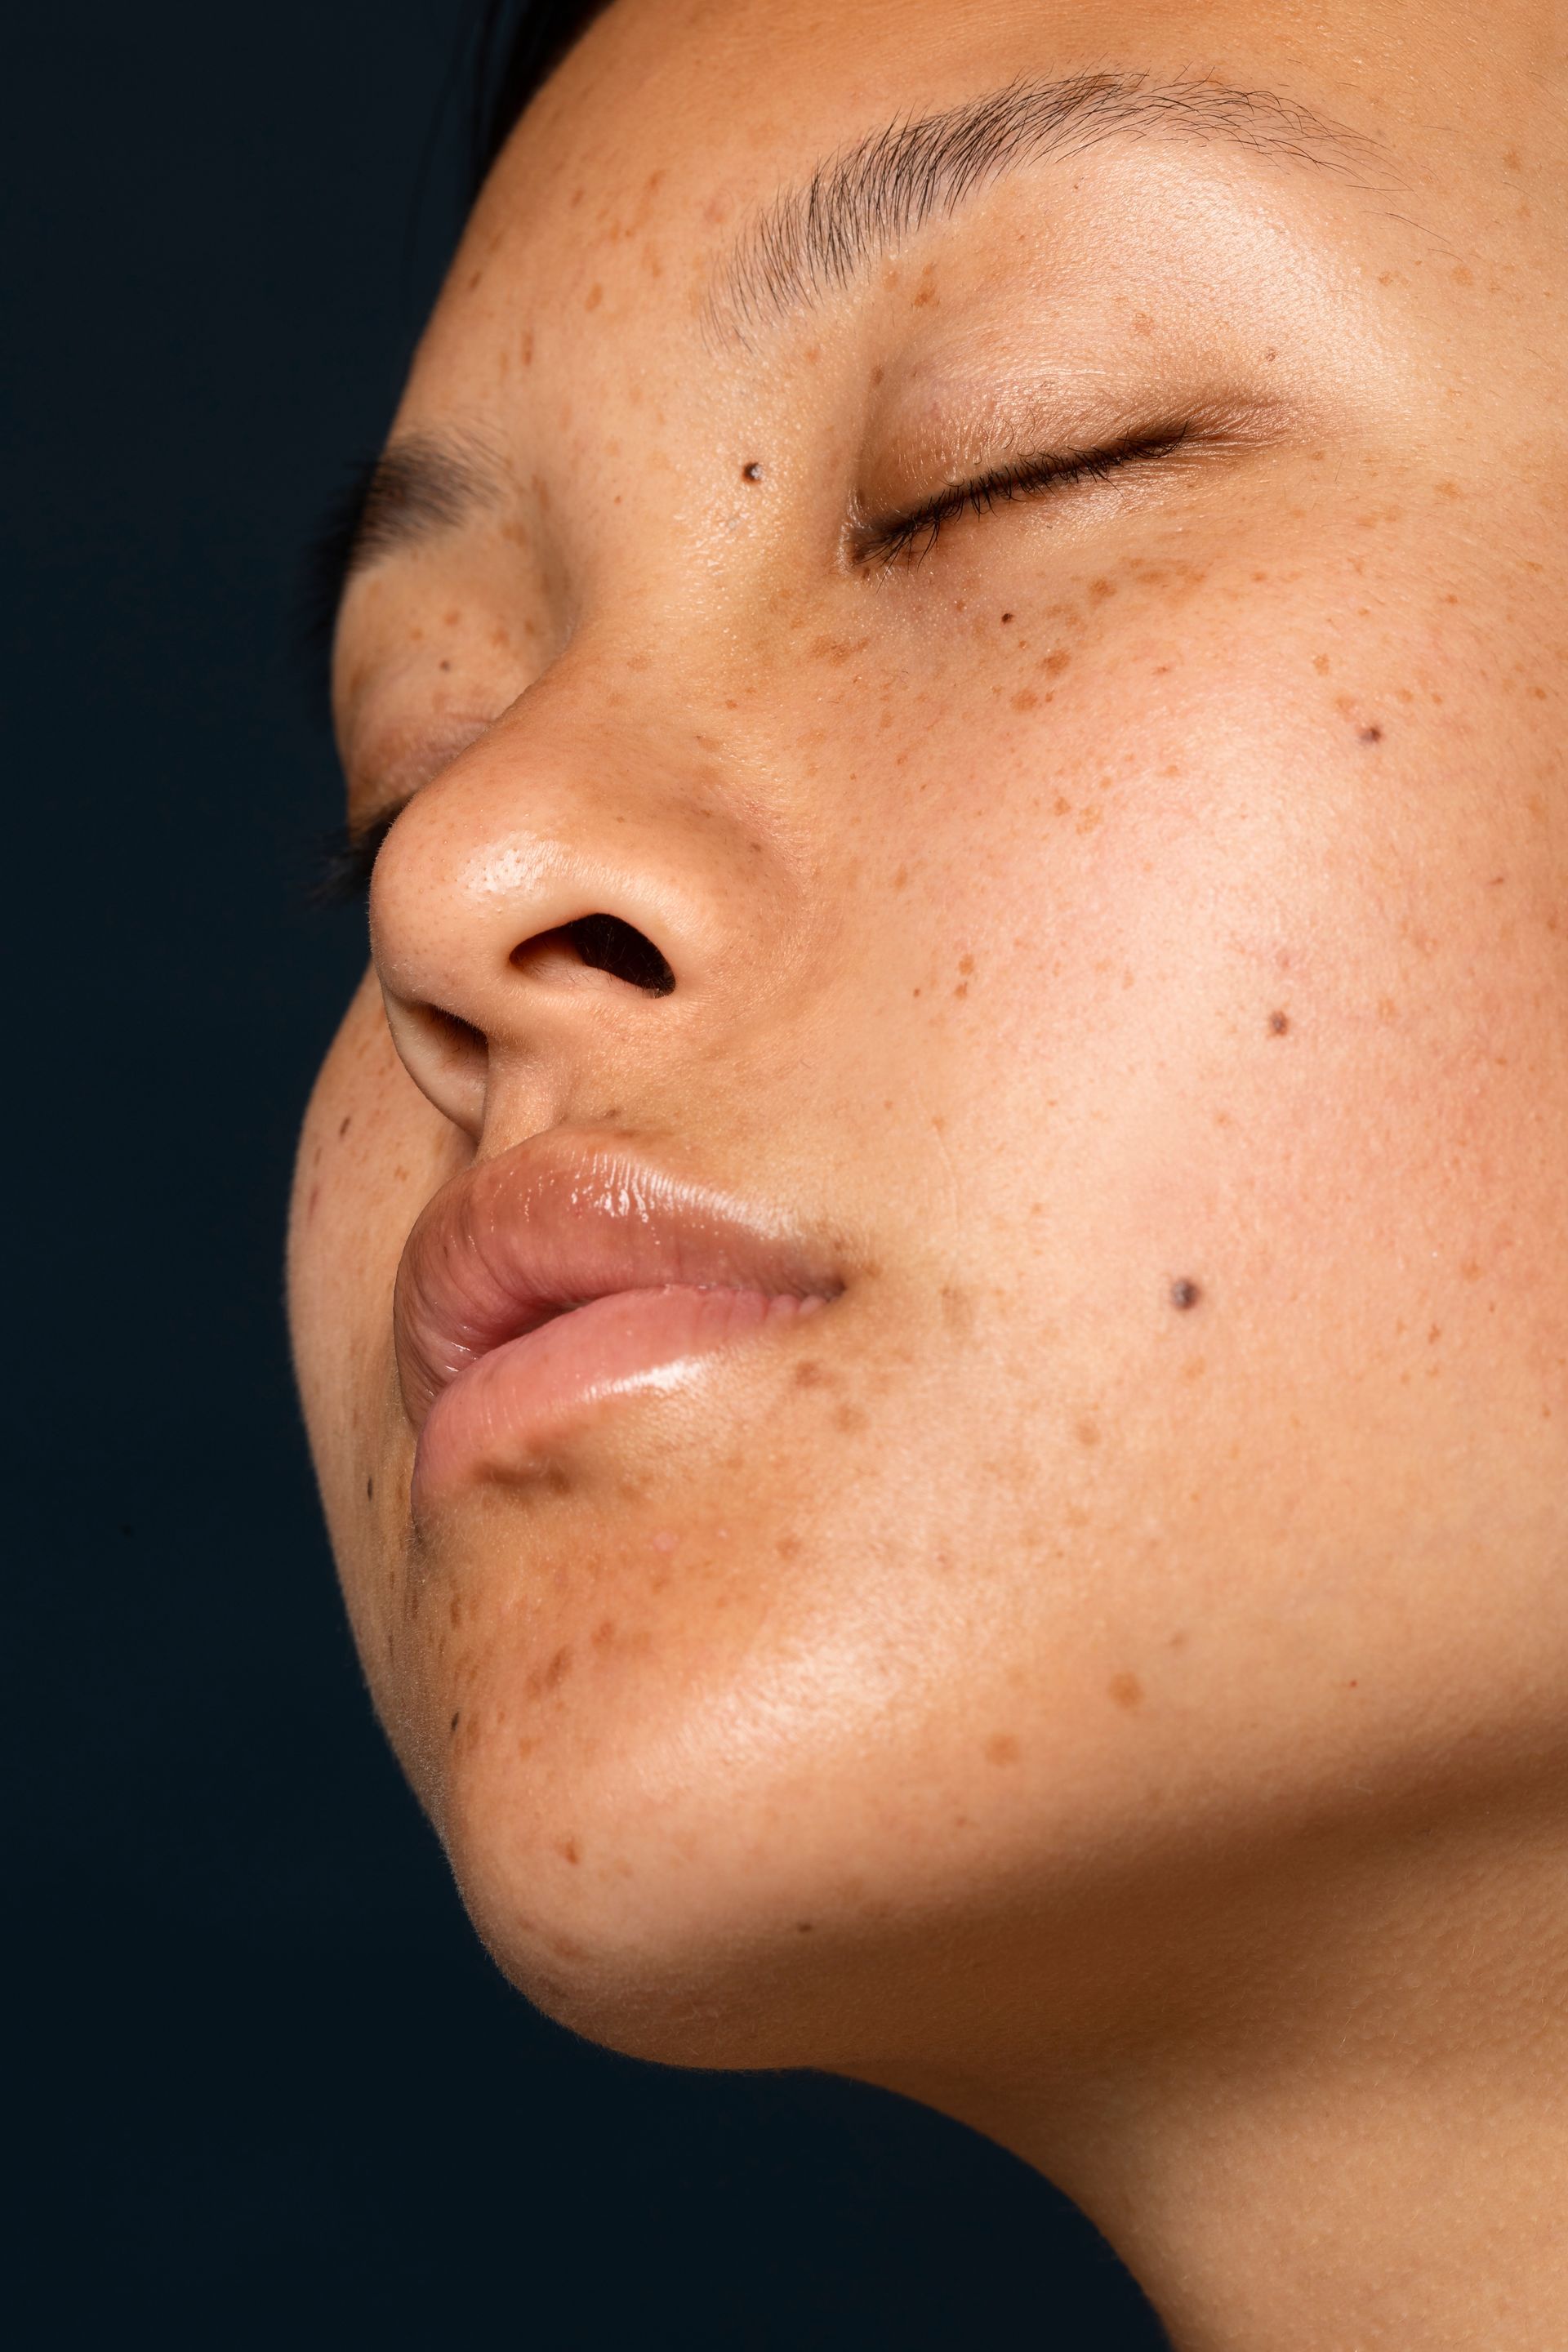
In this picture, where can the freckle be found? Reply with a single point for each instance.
(900, 879)
(567, 1849)
(596, 296)
(850, 1419)
(1185, 1293)
(809, 1374)
(788, 1546)
(804, 1927)
(966, 963)
(1279, 1023)
(1462, 276)
(1100, 590)
(957, 1309)
(604, 1634)
(1087, 820)
(445, 664)
(1470, 1271)
(346, 1123)
(1177, 1642)
(1087, 1434)
(1002, 1748)
(1126, 1690)
(1060, 807)
(1320, 664)
(1372, 735)
(962, 989)
(1194, 1368)
(1433, 1335)
(559, 1666)
(1053, 664)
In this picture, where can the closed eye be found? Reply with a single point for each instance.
(909, 537)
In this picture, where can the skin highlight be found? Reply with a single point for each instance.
(1105, 1673)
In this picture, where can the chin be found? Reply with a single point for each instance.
(668, 1944)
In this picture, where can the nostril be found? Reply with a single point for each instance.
(609, 945)
(605, 944)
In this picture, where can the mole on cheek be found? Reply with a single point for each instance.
(1185, 1293)
(1279, 1023)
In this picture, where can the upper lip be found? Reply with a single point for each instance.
(558, 1220)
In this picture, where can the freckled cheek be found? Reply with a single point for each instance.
(370, 1156)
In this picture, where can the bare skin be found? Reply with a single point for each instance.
(1105, 1673)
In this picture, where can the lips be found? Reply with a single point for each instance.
(563, 1273)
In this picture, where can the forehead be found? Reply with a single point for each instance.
(724, 166)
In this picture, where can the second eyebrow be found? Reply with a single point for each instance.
(871, 196)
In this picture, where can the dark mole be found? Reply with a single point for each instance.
(802, 1926)
(1006, 618)
(1279, 1023)
(456, 1720)
(752, 471)
(1185, 1294)
(369, 1489)
(343, 1130)
(1372, 734)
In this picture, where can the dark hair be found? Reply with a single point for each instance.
(519, 45)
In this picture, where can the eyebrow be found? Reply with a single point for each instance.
(413, 489)
(867, 199)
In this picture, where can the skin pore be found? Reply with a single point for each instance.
(1052, 632)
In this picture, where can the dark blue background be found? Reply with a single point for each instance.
(271, 2089)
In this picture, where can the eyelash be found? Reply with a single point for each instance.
(910, 538)
(345, 859)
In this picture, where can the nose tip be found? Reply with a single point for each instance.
(525, 909)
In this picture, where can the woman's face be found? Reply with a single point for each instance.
(1040, 1021)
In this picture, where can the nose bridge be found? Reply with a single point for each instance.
(595, 864)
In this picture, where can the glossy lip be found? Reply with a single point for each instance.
(565, 1272)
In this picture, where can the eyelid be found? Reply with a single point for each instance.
(883, 540)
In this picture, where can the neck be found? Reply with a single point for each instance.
(1335, 2117)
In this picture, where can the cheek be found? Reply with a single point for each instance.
(371, 1154)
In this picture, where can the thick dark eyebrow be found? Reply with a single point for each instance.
(867, 199)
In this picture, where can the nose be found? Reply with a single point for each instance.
(567, 896)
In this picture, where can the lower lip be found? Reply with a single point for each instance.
(502, 1415)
